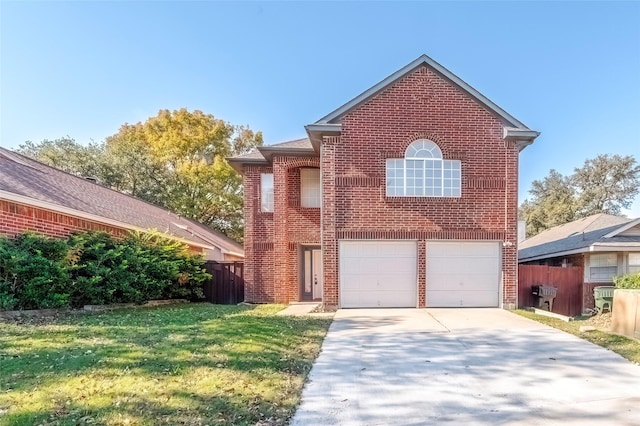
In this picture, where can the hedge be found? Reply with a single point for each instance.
(38, 272)
(629, 281)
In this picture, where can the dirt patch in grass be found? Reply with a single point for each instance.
(191, 365)
(627, 348)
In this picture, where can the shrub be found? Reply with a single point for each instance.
(170, 270)
(33, 273)
(94, 268)
(141, 267)
(629, 281)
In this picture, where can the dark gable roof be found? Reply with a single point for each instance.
(577, 236)
(29, 178)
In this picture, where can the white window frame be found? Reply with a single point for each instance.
(423, 173)
(266, 192)
(633, 263)
(603, 267)
(310, 189)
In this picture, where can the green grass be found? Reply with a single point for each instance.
(191, 365)
(627, 348)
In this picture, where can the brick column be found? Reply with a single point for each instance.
(510, 251)
(281, 244)
(328, 222)
(422, 273)
(250, 196)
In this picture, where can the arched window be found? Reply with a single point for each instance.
(423, 173)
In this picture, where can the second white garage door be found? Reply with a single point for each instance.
(463, 274)
(378, 274)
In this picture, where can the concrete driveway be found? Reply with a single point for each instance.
(463, 366)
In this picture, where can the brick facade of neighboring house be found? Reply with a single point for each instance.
(17, 218)
(36, 197)
(351, 147)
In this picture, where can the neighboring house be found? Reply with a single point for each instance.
(405, 196)
(604, 245)
(37, 197)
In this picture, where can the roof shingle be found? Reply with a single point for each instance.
(29, 178)
(576, 235)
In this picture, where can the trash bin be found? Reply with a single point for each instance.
(603, 297)
(545, 294)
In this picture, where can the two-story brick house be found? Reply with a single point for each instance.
(406, 196)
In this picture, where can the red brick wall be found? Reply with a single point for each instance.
(421, 105)
(273, 241)
(424, 105)
(258, 240)
(16, 218)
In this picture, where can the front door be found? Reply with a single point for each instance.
(311, 273)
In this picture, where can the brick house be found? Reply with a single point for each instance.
(405, 196)
(40, 198)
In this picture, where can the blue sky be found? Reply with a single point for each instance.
(568, 69)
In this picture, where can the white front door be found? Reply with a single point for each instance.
(377, 274)
(312, 279)
(318, 282)
(463, 274)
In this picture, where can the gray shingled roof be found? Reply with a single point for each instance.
(29, 178)
(576, 236)
(303, 143)
(263, 154)
(296, 143)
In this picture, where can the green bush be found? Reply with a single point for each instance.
(94, 268)
(33, 273)
(629, 281)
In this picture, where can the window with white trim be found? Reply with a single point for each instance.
(634, 263)
(423, 173)
(603, 267)
(310, 188)
(266, 192)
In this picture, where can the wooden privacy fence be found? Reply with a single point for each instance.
(568, 281)
(226, 286)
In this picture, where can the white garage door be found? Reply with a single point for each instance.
(378, 274)
(463, 274)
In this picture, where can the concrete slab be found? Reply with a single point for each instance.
(299, 309)
(472, 366)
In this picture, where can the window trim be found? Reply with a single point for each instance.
(423, 158)
(318, 200)
(267, 199)
(593, 269)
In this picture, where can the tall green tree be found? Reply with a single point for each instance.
(552, 203)
(605, 184)
(176, 159)
(72, 157)
(185, 167)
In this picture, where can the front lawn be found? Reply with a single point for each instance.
(190, 365)
(627, 348)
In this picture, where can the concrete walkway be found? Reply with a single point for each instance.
(298, 309)
(463, 366)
